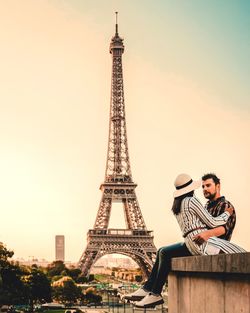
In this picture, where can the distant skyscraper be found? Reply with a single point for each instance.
(60, 248)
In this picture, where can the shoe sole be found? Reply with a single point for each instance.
(134, 298)
(150, 305)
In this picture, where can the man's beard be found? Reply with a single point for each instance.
(209, 196)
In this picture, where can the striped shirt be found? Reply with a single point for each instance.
(216, 208)
(194, 219)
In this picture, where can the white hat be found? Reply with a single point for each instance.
(184, 184)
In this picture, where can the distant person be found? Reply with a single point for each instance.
(162, 265)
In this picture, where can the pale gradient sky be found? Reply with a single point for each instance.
(186, 75)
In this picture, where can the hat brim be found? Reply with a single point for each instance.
(194, 185)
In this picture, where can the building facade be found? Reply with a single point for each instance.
(60, 248)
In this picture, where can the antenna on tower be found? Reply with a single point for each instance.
(116, 24)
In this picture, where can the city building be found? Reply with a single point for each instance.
(59, 246)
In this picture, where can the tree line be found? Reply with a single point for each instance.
(21, 284)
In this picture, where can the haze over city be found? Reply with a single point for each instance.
(186, 77)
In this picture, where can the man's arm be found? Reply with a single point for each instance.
(229, 227)
(205, 235)
(217, 232)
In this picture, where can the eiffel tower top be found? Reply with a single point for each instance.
(116, 44)
(118, 168)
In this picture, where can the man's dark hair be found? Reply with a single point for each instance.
(212, 176)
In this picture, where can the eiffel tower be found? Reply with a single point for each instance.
(135, 241)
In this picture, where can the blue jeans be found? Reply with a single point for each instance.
(162, 266)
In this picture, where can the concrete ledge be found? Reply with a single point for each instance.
(205, 284)
(223, 263)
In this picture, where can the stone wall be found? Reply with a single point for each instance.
(210, 284)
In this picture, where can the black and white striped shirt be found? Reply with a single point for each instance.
(194, 219)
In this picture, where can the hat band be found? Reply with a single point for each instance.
(185, 185)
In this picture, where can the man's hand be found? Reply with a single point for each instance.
(202, 237)
(229, 209)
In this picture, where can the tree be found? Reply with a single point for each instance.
(66, 291)
(57, 268)
(82, 279)
(12, 289)
(74, 273)
(91, 296)
(37, 286)
(91, 277)
(5, 254)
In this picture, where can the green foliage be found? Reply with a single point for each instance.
(82, 279)
(91, 277)
(12, 290)
(57, 268)
(37, 286)
(91, 296)
(55, 278)
(75, 274)
(5, 254)
(27, 285)
(102, 277)
(66, 291)
(20, 284)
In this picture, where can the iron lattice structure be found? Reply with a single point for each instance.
(135, 241)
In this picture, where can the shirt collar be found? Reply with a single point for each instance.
(213, 203)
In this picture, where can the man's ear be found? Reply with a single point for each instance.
(218, 188)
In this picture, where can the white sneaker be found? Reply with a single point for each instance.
(150, 300)
(136, 295)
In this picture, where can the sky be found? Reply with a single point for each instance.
(186, 79)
